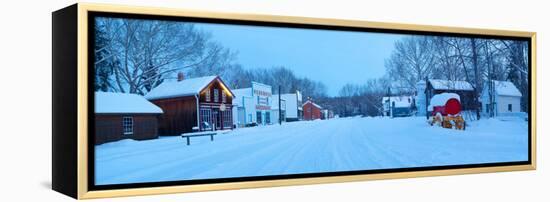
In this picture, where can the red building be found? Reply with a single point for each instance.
(124, 116)
(196, 104)
(311, 110)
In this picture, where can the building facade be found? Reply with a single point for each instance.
(277, 114)
(124, 116)
(253, 106)
(197, 104)
(464, 89)
(500, 98)
(312, 111)
(398, 106)
(293, 104)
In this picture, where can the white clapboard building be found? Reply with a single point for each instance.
(500, 98)
(252, 106)
(275, 112)
(293, 106)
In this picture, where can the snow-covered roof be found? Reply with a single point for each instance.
(123, 103)
(400, 101)
(313, 103)
(441, 99)
(186, 87)
(439, 84)
(407, 99)
(506, 88)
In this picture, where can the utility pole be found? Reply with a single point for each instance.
(427, 97)
(280, 115)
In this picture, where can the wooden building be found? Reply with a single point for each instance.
(312, 111)
(464, 89)
(124, 116)
(196, 104)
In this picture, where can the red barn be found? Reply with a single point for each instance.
(196, 104)
(311, 110)
(124, 116)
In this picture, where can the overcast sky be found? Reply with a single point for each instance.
(332, 57)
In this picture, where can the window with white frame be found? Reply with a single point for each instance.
(224, 97)
(128, 125)
(216, 95)
(206, 116)
(227, 123)
(207, 95)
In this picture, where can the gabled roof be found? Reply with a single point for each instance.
(313, 103)
(187, 87)
(506, 88)
(123, 103)
(439, 84)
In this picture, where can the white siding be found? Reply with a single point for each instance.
(504, 101)
(293, 105)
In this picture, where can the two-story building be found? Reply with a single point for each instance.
(253, 105)
(196, 104)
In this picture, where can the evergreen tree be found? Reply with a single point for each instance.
(105, 62)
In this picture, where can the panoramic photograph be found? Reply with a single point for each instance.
(178, 101)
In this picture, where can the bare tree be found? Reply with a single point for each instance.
(149, 51)
(412, 60)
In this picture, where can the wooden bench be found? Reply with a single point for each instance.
(211, 134)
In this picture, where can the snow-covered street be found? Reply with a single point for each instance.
(343, 144)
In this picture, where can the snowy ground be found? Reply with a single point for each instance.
(312, 146)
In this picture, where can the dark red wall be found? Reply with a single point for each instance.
(108, 128)
(180, 115)
(311, 112)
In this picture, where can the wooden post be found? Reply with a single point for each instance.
(188, 140)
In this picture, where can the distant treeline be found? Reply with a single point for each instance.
(134, 56)
(416, 58)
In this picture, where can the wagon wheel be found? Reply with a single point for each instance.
(438, 119)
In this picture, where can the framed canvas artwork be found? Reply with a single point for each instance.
(157, 100)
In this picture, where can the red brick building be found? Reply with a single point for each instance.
(311, 110)
(196, 104)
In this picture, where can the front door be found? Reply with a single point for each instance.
(217, 118)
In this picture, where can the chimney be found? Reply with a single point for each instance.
(181, 76)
